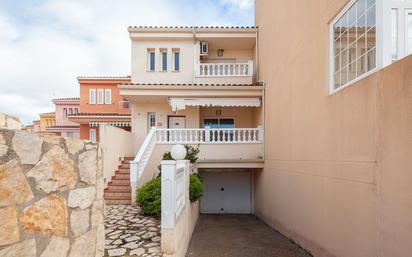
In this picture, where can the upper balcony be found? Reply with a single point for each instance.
(194, 55)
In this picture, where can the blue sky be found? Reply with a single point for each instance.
(46, 44)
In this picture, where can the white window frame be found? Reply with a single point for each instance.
(108, 96)
(92, 135)
(176, 51)
(162, 61)
(92, 96)
(378, 52)
(149, 52)
(149, 115)
(100, 97)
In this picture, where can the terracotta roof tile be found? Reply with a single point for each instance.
(190, 84)
(104, 77)
(97, 114)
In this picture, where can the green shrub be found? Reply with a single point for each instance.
(148, 197)
(195, 188)
(192, 153)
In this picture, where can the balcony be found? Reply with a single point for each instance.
(225, 73)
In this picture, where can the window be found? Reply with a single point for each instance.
(76, 111)
(92, 96)
(151, 120)
(69, 134)
(99, 96)
(353, 38)
(65, 113)
(70, 111)
(152, 60)
(176, 61)
(92, 135)
(164, 60)
(108, 96)
(394, 32)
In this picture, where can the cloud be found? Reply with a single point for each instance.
(46, 44)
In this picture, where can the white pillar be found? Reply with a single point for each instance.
(168, 194)
(133, 180)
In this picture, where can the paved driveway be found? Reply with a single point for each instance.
(239, 236)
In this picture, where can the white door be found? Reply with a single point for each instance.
(177, 122)
(226, 192)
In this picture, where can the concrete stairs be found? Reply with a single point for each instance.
(118, 191)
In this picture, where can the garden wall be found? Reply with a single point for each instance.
(51, 196)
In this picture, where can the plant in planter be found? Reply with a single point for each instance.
(148, 197)
(195, 188)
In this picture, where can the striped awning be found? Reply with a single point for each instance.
(181, 103)
(110, 123)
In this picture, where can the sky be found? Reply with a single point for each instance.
(46, 44)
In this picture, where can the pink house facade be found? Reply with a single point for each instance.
(64, 107)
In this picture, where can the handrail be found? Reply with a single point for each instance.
(139, 163)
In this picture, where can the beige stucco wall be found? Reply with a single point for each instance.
(335, 165)
(140, 73)
(116, 144)
(162, 110)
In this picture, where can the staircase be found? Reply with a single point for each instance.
(118, 190)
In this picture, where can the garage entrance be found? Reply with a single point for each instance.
(226, 191)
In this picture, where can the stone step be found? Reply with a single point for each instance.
(118, 202)
(118, 188)
(128, 158)
(117, 195)
(121, 176)
(122, 170)
(125, 182)
(124, 166)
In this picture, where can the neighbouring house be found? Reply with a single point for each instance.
(100, 103)
(63, 126)
(47, 119)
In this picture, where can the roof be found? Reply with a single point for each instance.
(191, 28)
(104, 77)
(67, 126)
(189, 84)
(67, 99)
(98, 114)
(47, 114)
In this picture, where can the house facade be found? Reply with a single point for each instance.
(100, 103)
(198, 86)
(47, 119)
(63, 126)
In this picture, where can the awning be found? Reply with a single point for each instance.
(110, 123)
(181, 103)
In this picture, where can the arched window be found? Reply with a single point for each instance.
(70, 111)
(76, 111)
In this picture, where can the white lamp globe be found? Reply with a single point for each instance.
(178, 152)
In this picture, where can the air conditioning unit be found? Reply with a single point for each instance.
(204, 48)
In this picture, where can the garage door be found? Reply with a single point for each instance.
(226, 192)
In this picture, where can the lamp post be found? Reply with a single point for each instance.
(178, 152)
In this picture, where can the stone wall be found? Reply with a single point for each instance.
(51, 196)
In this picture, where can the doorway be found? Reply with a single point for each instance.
(176, 122)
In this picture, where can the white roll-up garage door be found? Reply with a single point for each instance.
(226, 192)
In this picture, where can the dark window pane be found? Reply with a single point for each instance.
(164, 61)
(177, 61)
(152, 61)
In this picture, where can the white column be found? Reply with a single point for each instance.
(133, 180)
(168, 194)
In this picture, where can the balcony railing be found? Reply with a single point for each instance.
(225, 69)
(210, 136)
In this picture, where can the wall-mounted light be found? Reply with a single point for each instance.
(220, 52)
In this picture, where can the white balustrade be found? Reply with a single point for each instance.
(189, 136)
(210, 136)
(139, 163)
(225, 69)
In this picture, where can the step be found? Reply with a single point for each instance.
(124, 170)
(124, 166)
(125, 182)
(118, 188)
(128, 158)
(117, 202)
(121, 176)
(112, 195)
